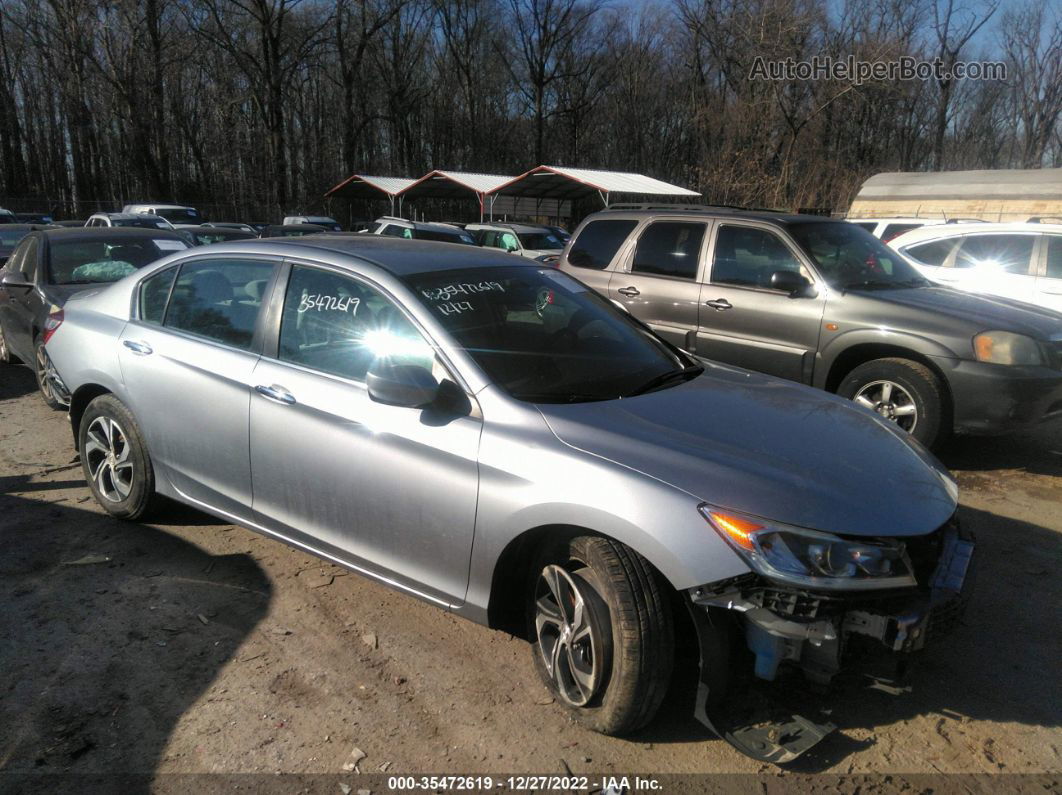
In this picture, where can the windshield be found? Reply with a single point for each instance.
(142, 223)
(851, 258)
(545, 338)
(179, 215)
(445, 237)
(539, 240)
(101, 261)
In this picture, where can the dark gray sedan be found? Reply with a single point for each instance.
(499, 440)
(50, 265)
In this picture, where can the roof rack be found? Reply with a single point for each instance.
(690, 207)
(1045, 219)
(965, 221)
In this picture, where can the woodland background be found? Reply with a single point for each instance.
(256, 107)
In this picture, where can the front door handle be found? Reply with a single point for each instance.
(630, 292)
(139, 348)
(277, 393)
(719, 304)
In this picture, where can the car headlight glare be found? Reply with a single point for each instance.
(1006, 347)
(812, 559)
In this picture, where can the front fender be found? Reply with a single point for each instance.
(833, 348)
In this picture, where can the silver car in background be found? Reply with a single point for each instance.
(499, 440)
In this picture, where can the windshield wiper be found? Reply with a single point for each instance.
(569, 397)
(872, 284)
(686, 373)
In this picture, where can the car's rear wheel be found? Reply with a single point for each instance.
(902, 391)
(6, 357)
(42, 366)
(603, 633)
(115, 460)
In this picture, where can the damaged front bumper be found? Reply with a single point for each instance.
(816, 632)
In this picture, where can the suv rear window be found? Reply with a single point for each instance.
(934, 253)
(598, 243)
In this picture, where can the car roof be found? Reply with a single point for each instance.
(25, 227)
(398, 256)
(163, 206)
(127, 216)
(508, 227)
(939, 231)
(74, 233)
(895, 219)
(708, 212)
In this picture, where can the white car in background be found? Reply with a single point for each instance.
(525, 240)
(142, 220)
(174, 213)
(1014, 260)
(316, 220)
(886, 229)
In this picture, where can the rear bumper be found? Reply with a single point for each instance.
(993, 399)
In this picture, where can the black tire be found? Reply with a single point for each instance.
(918, 385)
(47, 391)
(6, 356)
(627, 601)
(138, 499)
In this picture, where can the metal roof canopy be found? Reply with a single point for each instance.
(1030, 183)
(454, 185)
(363, 186)
(561, 182)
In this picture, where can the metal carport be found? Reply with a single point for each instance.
(454, 185)
(363, 186)
(566, 184)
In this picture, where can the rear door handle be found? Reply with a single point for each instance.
(630, 292)
(277, 393)
(719, 304)
(139, 348)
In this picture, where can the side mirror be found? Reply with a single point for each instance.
(790, 282)
(408, 385)
(15, 279)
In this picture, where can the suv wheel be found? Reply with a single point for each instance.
(603, 633)
(115, 459)
(902, 391)
(42, 366)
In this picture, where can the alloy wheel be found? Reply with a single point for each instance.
(891, 401)
(108, 454)
(568, 639)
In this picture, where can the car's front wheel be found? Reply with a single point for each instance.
(115, 460)
(6, 357)
(902, 391)
(603, 634)
(46, 377)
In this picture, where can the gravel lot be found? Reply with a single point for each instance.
(189, 646)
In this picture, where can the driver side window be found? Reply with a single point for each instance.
(340, 326)
(746, 257)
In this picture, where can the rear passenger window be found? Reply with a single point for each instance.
(934, 253)
(598, 243)
(219, 299)
(1006, 253)
(669, 248)
(154, 292)
(746, 257)
(338, 325)
(1054, 256)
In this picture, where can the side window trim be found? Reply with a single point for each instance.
(138, 314)
(794, 250)
(630, 246)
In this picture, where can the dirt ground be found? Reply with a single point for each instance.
(189, 646)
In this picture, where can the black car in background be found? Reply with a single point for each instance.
(291, 230)
(205, 235)
(34, 218)
(50, 265)
(11, 235)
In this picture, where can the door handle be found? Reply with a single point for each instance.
(719, 304)
(277, 393)
(139, 348)
(630, 292)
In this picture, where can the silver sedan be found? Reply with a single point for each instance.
(497, 439)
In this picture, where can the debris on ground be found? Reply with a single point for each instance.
(371, 640)
(356, 755)
(87, 560)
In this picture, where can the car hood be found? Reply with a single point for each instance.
(985, 312)
(770, 448)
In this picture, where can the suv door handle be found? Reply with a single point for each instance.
(139, 348)
(277, 393)
(630, 292)
(719, 304)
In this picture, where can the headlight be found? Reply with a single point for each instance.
(1006, 347)
(812, 559)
